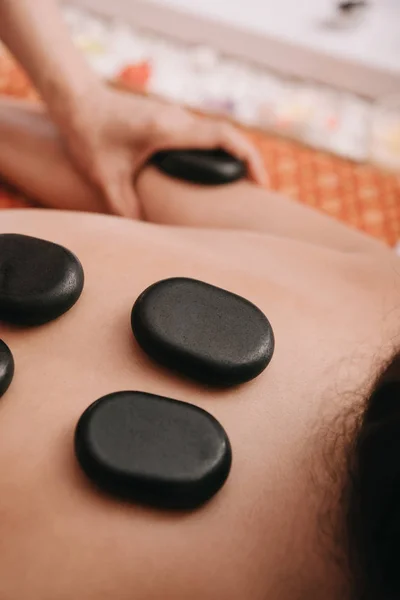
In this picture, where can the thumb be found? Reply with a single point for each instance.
(121, 197)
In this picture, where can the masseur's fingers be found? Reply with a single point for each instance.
(235, 143)
(227, 137)
(121, 198)
(116, 183)
(178, 129)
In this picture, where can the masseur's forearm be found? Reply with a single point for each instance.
(34, 31)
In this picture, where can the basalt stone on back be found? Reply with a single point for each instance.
(202, 331)
(204, 167)
(6, 367)
(153, 450)
(39, 280)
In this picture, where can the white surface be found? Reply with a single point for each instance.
(200, 77)
(376, 41)
(289, 36)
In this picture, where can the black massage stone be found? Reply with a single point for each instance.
(202, 331)
(39, 280)
(153, 450)
(204, 167)
(6, 367)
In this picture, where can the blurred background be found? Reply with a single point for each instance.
(316, 83)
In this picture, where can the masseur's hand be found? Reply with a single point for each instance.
(111, 134)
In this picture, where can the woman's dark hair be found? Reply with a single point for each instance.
(373, 501)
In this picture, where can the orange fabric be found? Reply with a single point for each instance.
(136, 76)
(13, 80)
(361, 195)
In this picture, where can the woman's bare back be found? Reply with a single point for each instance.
(333, 318)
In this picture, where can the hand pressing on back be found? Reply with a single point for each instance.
(111, 134)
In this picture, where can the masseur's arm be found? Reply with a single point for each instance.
(108, 134)
(33, 159)
(38, 38)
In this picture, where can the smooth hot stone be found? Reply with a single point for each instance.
(202, 331)
(204, 167)
(6, 367)
(153, 450)
(39, 280)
